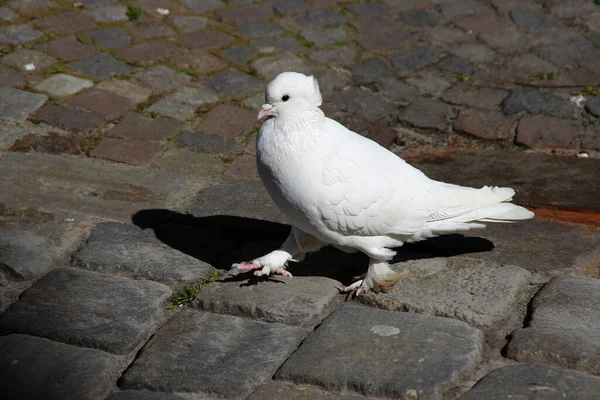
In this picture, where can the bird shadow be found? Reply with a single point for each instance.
(221, 240)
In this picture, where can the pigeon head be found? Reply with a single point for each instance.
(290, 92)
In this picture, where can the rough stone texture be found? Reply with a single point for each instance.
(427, 113)
(249, 12)
(201, 6)
(108, 14)
(480, 97)
(189, 163)
(142, 395)
(127, 250)
(130, 91)
(300, 300)
(205, 39)
(22, 355)
(10, 77)
(205, 143)
(147, 30)
(101, 66)
(17, 105)
(367, 9)
(150, 50)
(242, 168)
(86, 309)
(435, 353)
(414, 58)
(456, 65)
(68, 48)
(60, 85)
(436, 286)
(19, 34)
(238, 54)
(475, 53)
(189, 23)
(492, 125)
(593, 106)
(340, 55)
(104, 103)
(540, 180)
(161, 78)
(236, 357)
(66, 22)
(225, 200)
(69, 118)
(364, 103)
(198, 61)
(319, 17)
(283, 391)
(182, 104)
(429, 83)
(287, 6)
(325, 37)
(270, 67)
(233, 82)
(22, 57)
(546, 132)
(561, 330)
(110, 37)
(135, 125)
(271, 45)
(539, 381)
(98, 189)
(258, 28)
(128, 151)
(533, 101)
(418, 18)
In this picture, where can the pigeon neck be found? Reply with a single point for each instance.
(299, 121)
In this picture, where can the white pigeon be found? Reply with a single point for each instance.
(339, 188)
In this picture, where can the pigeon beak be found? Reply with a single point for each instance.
(265, 111)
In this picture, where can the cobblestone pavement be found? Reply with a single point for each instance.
(128, 187)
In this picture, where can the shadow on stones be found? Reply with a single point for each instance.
(222, 240)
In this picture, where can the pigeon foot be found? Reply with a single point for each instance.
(356, 286)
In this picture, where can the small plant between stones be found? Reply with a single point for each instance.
(133, 13)
(463, 77)
(542, 76)
(189, 293)
(589, 91)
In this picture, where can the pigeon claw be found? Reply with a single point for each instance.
(245, 266)
(355, 286)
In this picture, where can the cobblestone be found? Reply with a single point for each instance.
(472, 92)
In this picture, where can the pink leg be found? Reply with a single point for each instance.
(245, 266)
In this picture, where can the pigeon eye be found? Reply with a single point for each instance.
(285, 98)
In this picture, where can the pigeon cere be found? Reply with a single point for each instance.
(299, 199)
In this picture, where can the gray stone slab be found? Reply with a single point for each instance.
(189, 23)
(593, 106)
(386, 353)
(183, 103)
(287, 391)
(29, 247)
(60, 85)
(563, 326)
(22, 57)
(365, 103)
(241, 199)
(201, 6)
(161, 78)
(533, 101)
(198, 352)
(303, 300)
(482, 293)
(100, 66)
(238, 54)
(534, 382)
(142, 395)
(287, 6)
(258, 28)
(16, 105)
(272, 45)
(270, 67)
(110, 37)
(108, 14)
(540, 180)
(126, 250)
(83, 188)
(425, 112)
(370, 70)
(19, 34)
(414, 58)
(319, 17)
(87, 309)
(36, 368)
(325, 37)
(533, 20)
(233, 82)
(10, 77)
(205, 143)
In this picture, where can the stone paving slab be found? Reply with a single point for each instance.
(82, 308)
(534, 381)
(386, 353)
(540, 180)
(82, 188)
(142, 395)
(126, 250)
(482, 293)
(54, 371)
(287, 391)
(238, 355)
(562, 327)
(30, 247)
(294, 301)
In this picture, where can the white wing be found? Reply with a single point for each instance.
(369, 191)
